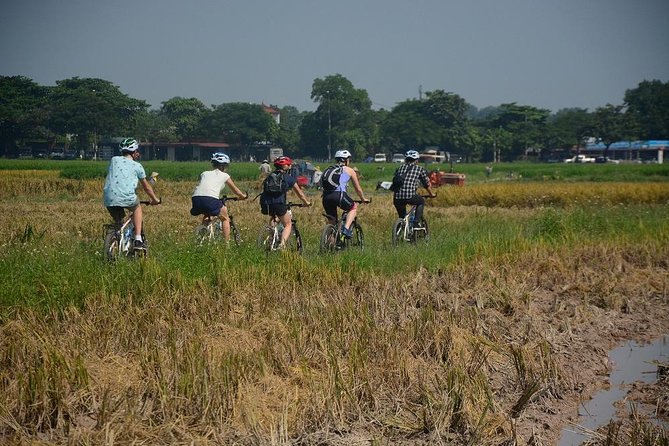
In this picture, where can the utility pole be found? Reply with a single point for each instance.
(329, 128)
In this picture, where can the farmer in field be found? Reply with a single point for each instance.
(273, 195)
(206, 196)
(334, 181)
(120, 188)
(406, 180)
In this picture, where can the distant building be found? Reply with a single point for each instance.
(645, 151)
(274, 111)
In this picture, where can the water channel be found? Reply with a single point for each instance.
(631, 362)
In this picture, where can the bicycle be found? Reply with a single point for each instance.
(212, 228)
(332, 236)
(118, 238)
(269, 238)
(405, 229)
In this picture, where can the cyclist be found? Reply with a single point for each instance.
(119, 194)
(411, 174)
(334, 182)
(273, 195)
(205, 200)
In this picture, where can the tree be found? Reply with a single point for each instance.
(240, 123)
(90, 107)
(20, 110)
(449, 111)
(288, 135)
(408, 125)
(648, 105)
(186, 115)
(343, 118)
(569, 127)
(611, 124)
(525, 124)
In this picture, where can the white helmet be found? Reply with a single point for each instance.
(128, 145)
(343, 154)
(412, 154)
(220, 158)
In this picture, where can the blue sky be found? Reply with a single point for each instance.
(545, 53)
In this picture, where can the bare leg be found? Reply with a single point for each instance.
(286, 220)
(225, 223)
(137, 220)
(351, 216)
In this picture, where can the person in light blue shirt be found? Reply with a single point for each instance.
(123, 176)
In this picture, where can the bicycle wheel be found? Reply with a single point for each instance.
(358, 239)
(295, 240)
(328, 239)
(398, 232)
(235, 236)
(265, 239)
(421, 233)
(203, 233)
(111, 245)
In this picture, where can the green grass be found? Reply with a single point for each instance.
(69, 270)
(371, 172)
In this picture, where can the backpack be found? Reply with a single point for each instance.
(331, 176)
(274, 184)
(398, 179)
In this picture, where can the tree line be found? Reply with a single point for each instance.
(83, 111)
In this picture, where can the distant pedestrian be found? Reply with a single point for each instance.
(264, 169)
(488, 171)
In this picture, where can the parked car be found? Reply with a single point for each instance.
(580, 159)
(57, 153)
(398, 158)
(380, 158)
(606, 159)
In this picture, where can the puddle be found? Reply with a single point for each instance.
(631, 362)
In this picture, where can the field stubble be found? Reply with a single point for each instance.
(475, 346)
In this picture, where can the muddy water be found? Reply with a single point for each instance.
(631, 362)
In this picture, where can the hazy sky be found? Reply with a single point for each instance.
(545, 53)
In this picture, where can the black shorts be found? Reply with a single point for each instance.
(208, 206)
(275, 209)
(334, 200)
(118, 212)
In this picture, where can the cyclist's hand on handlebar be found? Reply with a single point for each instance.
(307, 203)
(155, 202)
(245, 196)
(367, 200)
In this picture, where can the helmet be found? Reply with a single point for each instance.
(283, 161)
(412, 154)
(342, 154)
(220, 158)
(128, 145)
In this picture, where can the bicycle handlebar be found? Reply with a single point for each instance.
(290, 204)
(148, 203)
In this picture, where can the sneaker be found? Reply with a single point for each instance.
(139, 245)
(347, 233)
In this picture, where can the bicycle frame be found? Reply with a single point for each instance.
(404, 228)
(118, 238)
(332, 236)
(269, 238)
(212, 228)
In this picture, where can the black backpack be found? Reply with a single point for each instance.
(274, 184)
(398, 179)
(330, 178)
